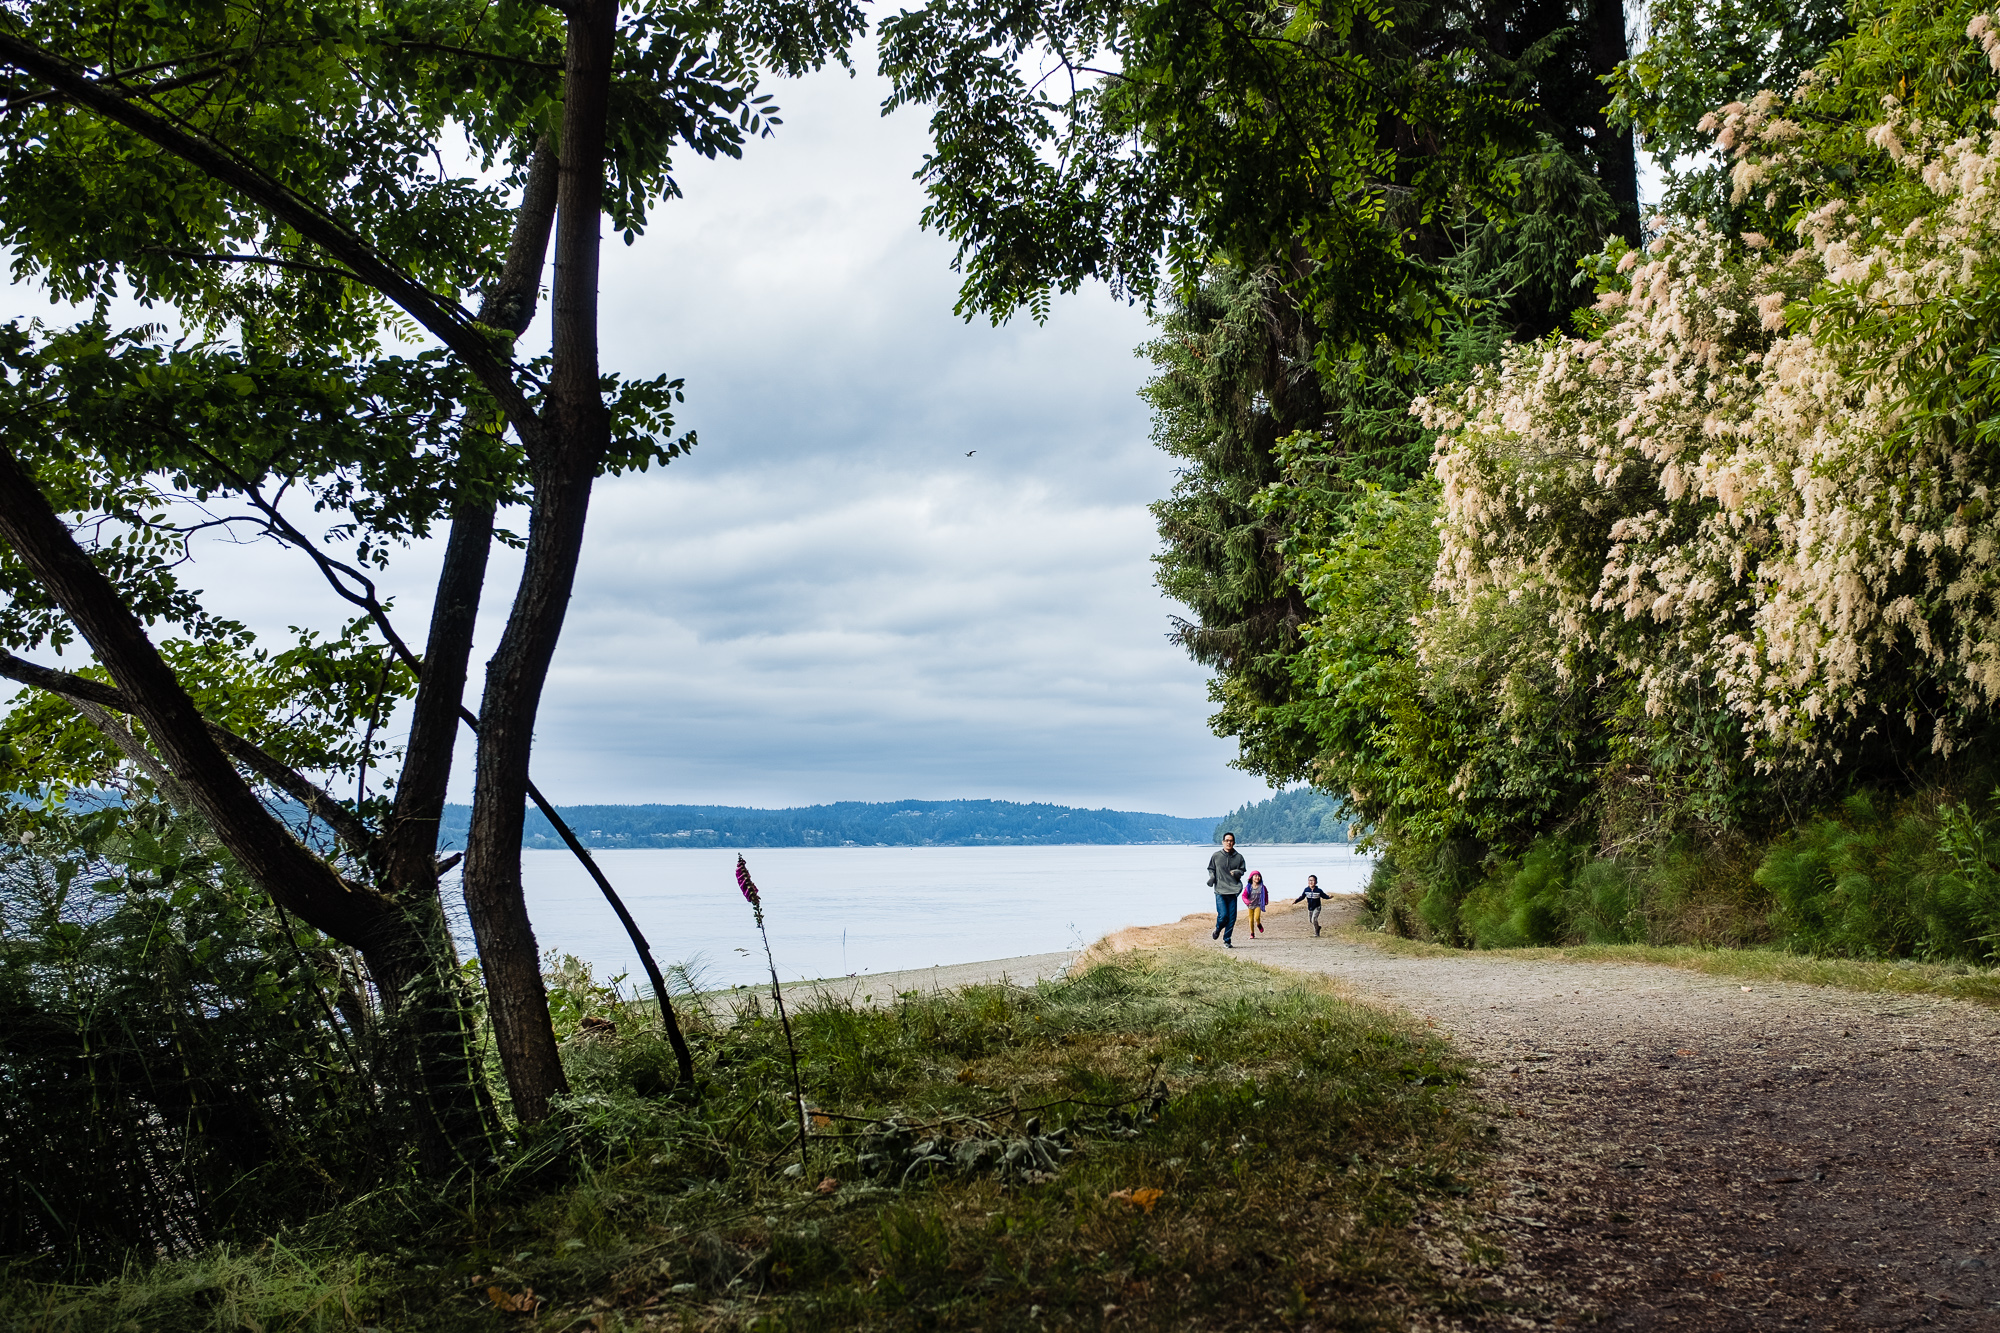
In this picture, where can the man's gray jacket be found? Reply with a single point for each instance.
(1226, 867)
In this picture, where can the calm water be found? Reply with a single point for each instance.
(839, 910)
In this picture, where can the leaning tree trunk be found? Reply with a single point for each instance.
(388, 934)
(573, 439)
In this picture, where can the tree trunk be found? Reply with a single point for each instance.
(428, 1031)
(1617, 162)
(436, 1026)
(573, 434)
(409, 842)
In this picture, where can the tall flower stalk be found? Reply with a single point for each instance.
(751, 896)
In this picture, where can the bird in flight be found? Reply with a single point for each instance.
(970, 452)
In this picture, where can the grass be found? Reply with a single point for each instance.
(1956, 981)
(1170, 1138)
(272, 1287)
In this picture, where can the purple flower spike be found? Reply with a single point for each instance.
(750, 895)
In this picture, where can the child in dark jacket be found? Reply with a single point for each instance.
(1313, 897)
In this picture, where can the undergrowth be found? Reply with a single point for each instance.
(1176, 1139)
(1870, 879)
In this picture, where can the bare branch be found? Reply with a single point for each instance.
(133, 748)
(164, 85)
(271, 261)
(448, 49)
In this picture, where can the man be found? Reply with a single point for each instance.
(1225, 876)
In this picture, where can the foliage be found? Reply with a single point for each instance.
(1173, 1092)
(1709, 566)
(1234, 364)
(1302, 815)
(1754, 964)
(1523, 904)
(1080, 139)
(1889, 883)
(1879, 878)
(1280, 436)
(1702, 54)
(179, 1064)
(347, 107)
(1763, 477)
(1289, 471)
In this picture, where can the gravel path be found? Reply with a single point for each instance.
(1685, 1152)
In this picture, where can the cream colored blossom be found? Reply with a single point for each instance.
(1982, 30)
(1756, 516)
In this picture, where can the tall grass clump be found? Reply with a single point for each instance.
(180, 1064)
(1529, 901)
(1875, 881)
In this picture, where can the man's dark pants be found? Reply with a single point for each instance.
(1225, 915)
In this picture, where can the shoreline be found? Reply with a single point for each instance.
(1022, 969)
(883, 987)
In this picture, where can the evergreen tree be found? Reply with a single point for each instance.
(1277, 433)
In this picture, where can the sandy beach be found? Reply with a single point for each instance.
(884, 987)
(1027, 969)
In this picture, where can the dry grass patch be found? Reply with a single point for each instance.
(1956, 981)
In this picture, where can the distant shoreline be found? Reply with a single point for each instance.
(872, 824)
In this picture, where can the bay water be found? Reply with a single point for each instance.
(840, 911)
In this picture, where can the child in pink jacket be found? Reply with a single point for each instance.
(1256, 897)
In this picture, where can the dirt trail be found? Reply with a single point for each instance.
(1687, 1153)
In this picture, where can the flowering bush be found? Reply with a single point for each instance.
(1766, 483)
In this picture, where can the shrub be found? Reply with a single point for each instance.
(1605, 904)
(1526, 902)
(1876, 883)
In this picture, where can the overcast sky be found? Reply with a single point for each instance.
(829, 600)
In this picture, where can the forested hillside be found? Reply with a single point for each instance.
(845, 823)
(1303, 815)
